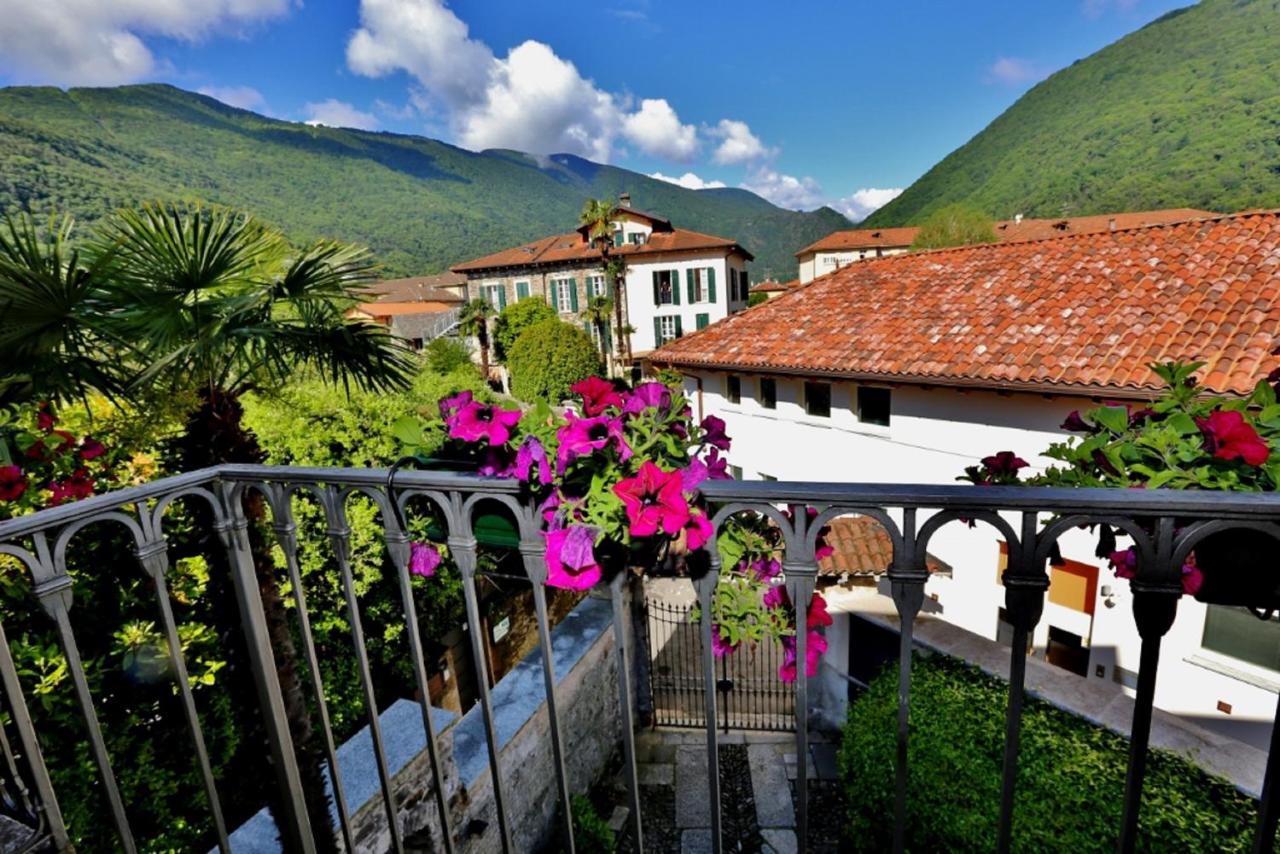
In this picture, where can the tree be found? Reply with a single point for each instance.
(954, 225)
(550, 357)
(597, 314)
(515, 319)
(474, 320)
(597, 216)
(212, 302)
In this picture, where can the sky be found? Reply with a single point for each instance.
(805, 103)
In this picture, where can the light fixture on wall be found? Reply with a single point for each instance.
(1108, 596)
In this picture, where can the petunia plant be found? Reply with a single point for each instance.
(43, 465)
(617, 480)
(1183, 439)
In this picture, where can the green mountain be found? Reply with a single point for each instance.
(1185, 112)
(419, 204)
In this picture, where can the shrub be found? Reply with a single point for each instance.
(445, 355)
(514, 320)
(1070, 784)
(756, 298)
(590, 831)
(954, 225)
(548, 358)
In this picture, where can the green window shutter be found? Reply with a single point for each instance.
(703, 320)
(522, 290)
(553, 293)
(657, 331)
(711, 284)
(743, 287)
(733, 284)
(502, 297)
(657, 289)
(573, 295)
(617, 238)
(679, 329)
(689, 286)
(675, 287)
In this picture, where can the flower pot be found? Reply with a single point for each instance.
(1239, 568)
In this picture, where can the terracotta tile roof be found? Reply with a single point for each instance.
(393, 309)
(416, 288)
(1075, 314)
(1008, 229)
(863, 548)
(772, 286)
(572, 247)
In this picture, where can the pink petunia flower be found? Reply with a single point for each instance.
(532, 454)
(654, 501)
(91, 448)
(693, 475)
(1229, 437)
(1124, 562)
(571, 560)
(717, 466)
(497, 462)
(766, 568)
(449, 406)
(476, 421)
(78, 486)
(1004, 463)
(597, 395)
(818, 615)
(720, 646)
(650, 395)
(44, 418)
(815, 647)
(423, 559)
(775, 597)
(583, 436)
(1074, 423)
(699, 530)
(1192, 579)
(13, 483)
(713, 432)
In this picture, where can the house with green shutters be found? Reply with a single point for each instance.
(675, 280)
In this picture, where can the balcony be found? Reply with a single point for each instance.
(499, 776)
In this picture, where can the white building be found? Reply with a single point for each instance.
(909, 369)
(676, 281)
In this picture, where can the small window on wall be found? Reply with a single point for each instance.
(666, 329)
(733, 285)
(597, 287)
(873, 405)
(637, 238)
(522, 290)
(733, 389)
(702, 320)
(768, 393)
(666, 287)
(817, 399)
(495, 295)
(1238, 633)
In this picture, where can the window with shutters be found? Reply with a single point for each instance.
(522, 290)
(495, 295)
(817, 399)
(596, 286)
(744, 288)
(564, 297)
(768, 393)
(701, 284)
(637, 238)
(668, 328)
(664, 287)
(733, 389)
(733, 285)
(702, 320)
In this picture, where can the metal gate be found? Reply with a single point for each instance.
(749, 694)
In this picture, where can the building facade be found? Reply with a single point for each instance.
(415, 309)
(910, 369)
(675, 281)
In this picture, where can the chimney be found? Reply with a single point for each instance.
(1017, 219)
(624, 200)
(1111, 224)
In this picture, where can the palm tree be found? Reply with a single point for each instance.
(474, 320)
(211, 302)
(597, 314)
(597, 216)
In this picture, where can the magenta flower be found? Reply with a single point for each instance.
(1124, 562)
(583, 436)
(1229, 437)
(476, 421)
(713, 433)
(698, 530)
(78, 486)
(693, 475)
(12, 483)
(497, 462)
(717, 466)
(654, 501)
(815, 646)
(532, 454)
(449, 406)
(91, 448)
(571, 560)
(597, 395)
(720, 646)
(44, 418)
(818, 615)
(766, 568)
(646, 396)
(1192, 579)
(775, 597)
(1004, 463)
(1076, 424)
(423, 559)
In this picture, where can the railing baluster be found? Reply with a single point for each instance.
(286, 532)
(535, 566)
(801, 572)
(154, 558)
(625, 712)
(47, 800)
(907, 587)
(340, 539)
(463, 550)
(705, 586)
(293, 824)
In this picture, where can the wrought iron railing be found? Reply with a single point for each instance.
(1165, 527)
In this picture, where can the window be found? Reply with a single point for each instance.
(733, 285)
(701, 284)
(702, 320)
(617, 234)
(733, 389)
(666, 289)
(873, 405)
(817, 399)
(768, 393)
(522, 290)
(666, 328)
(637, 238)
(563, 294)
(744, 288)
(1238, 633)
(597, 286)
(495, 295)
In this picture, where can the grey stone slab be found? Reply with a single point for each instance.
(693, 801)
(769, 782)
(618, 820)
(695, 842)
(663, 753)
(825, 762)
(657, 774)
(778, 841)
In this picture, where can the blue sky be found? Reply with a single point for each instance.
(807, 103)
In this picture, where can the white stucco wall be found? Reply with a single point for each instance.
(816, 264)
(933, 434)
(641, 309)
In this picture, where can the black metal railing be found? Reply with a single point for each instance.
(1165, 527)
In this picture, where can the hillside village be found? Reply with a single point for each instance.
(585, 481)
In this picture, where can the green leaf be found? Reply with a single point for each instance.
(1183, 423)
(1114, 418)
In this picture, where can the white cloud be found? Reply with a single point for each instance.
(863, 202)
(657, 130)
(738, 144)
(689, 181)
(243, 97)
(100, 42)
(1012, 71)
(339, 114)
(785, 191)
(531, 100)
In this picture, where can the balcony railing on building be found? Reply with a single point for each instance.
(1165, 527)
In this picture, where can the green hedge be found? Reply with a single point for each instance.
(513, 320)
(548, 358)
(1070, 775)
